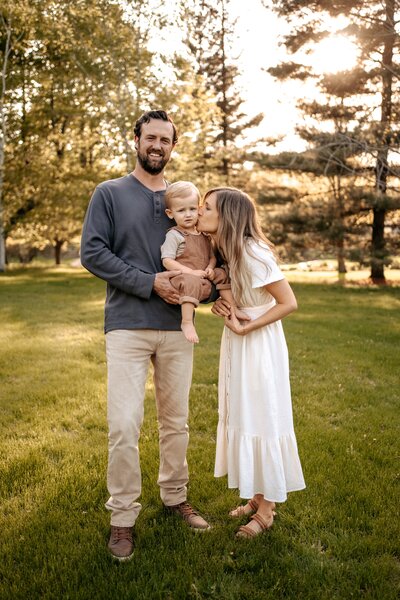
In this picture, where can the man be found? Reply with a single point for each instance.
(124, 228)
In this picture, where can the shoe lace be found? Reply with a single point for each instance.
(122, 533)
(186, 509)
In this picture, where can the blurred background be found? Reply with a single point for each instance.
(295, 102)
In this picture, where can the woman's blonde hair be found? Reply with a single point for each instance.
(237, 224)
(180, 189)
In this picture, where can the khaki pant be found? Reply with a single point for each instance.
(128, 357)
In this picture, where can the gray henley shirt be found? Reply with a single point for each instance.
(124, 228)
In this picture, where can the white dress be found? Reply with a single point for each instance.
(256, 443)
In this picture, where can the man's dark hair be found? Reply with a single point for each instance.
(154, 114)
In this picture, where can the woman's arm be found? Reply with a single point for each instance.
(285, 304)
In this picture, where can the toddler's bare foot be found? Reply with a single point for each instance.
(189, 332)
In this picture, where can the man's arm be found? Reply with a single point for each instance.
(98, 258)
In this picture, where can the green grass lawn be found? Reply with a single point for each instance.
(338, 539)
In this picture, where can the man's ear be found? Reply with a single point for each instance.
(168, 213)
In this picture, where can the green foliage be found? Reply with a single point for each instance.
(78, 77)
(338, 539)
(196, 117)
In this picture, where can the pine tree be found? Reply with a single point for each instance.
(333, 155)
(375, 82)
(210, 31)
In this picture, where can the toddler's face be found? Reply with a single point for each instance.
(185, 211)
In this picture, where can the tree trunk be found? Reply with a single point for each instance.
(57, 251)
(378, 247)
(2, 251)
(123, 113)
(340, 257)
(378, 250)
(7, 49)
(340, 225)
(225, 125)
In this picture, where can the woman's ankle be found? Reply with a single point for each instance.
(265, 506)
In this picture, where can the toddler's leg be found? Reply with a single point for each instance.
(187, 324)
(221, 280)
(190, 288)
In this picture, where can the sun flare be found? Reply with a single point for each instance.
(335, 53)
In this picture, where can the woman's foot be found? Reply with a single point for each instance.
(260, 522)
(246, 509)
(190, 332)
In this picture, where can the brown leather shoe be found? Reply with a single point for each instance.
(121, 542)
(188, 514)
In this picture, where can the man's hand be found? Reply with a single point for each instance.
(221, 308)
(162, 286)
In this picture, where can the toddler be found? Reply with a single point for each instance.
(189, 251)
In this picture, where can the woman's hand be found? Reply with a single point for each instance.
(233, 323)
(223, 308)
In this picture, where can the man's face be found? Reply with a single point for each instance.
(155, 145)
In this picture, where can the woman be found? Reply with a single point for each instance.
(256, 443)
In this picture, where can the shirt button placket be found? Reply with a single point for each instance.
(157, 208)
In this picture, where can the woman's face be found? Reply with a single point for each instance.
(208, 215)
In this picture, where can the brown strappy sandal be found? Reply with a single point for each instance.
(240, 511)
(247, 532)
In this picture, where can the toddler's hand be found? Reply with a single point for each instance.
(199, 273)
(210, 273)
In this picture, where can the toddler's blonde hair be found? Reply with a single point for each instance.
(180, 189)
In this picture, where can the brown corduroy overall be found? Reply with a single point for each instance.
(196, 255)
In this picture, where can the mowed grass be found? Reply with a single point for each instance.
(338, 539)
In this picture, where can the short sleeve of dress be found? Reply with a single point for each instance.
(262, 265)
(173, 245)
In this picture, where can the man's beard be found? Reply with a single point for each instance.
(150, 167)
